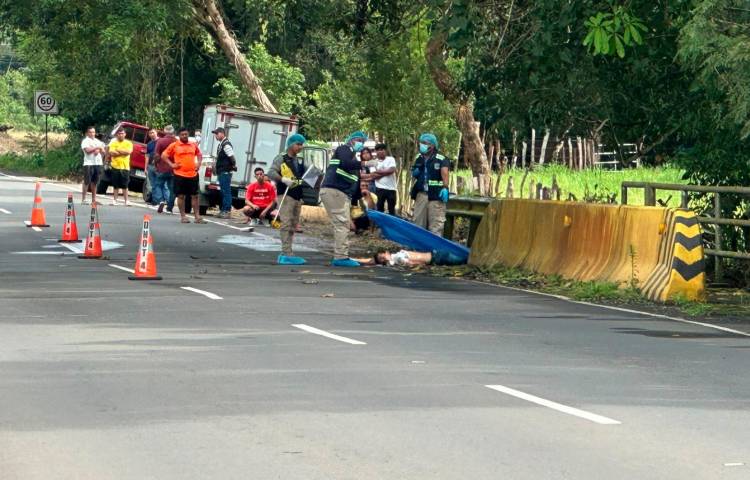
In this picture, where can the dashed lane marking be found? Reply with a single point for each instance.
(554, 405)
(323, 333)
(124, 269)
(210, 295)
(7, 212)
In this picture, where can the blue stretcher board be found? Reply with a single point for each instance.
(415, 237)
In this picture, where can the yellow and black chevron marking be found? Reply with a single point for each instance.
(681, 270)
(689, 260)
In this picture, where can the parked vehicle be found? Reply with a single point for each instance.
(257, 137)
(138, 134)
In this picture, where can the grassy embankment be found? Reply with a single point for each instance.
(593, 183)
(24, 154)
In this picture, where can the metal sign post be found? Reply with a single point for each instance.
(45, 105)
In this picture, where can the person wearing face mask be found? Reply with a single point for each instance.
(340, 184)
(430, 191)
(287, 171)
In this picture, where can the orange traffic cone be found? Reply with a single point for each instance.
(37, 211)
(145, 261)
(93, 239)
(70, 228)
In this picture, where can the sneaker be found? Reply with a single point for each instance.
(161, 207)
(127, 203)
(344, 262)
(225, 215)
(254, 222)
(170, 210)
(114, 202)
(290, 260)
(85, 202)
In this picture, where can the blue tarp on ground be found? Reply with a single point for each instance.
(415, 237)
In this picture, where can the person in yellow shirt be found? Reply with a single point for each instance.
(119, 151)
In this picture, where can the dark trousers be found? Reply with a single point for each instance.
(387, 196)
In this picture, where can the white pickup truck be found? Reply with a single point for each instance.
(256, 137)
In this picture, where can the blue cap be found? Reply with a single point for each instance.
(358, 134)
(429, 138)
(296, 138)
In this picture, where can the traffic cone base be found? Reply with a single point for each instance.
(37, 212)
(145, 261)
(70, 227)
(132, 277)
(93, 239)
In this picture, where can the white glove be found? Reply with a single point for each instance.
(287, 181)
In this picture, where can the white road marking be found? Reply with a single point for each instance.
(37, 179)
(78, 247)
(682, 320)
(554, 405)
(620, 309)
(41, 252)
(734, 464)
(323, 333)
(124, 269)
(259, 242)
(210, 295)
(36, 229)
(5, 211)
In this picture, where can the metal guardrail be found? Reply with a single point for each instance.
(471, 208)
(649, 191)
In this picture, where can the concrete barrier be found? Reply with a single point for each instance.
(657, 248)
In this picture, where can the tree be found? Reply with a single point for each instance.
(208, 13)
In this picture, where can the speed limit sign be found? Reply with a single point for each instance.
(44, 103)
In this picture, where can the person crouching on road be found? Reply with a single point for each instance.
(287, 171)
(430, 190)
(340, 184)
(259, 199)
(185, 158)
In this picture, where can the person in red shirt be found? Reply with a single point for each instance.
(259, 199)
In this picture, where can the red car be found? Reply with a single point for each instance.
(138, 134)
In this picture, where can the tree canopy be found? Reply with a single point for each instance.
(671, 76)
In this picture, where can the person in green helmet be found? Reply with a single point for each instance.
(287, 171)
(340, 184)
(430, 190)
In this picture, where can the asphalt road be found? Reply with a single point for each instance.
(320, 373)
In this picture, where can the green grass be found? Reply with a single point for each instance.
(596, 183)
(58, 163)
(555, 284)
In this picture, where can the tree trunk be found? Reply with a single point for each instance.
(571, 155)
(463, 108)
(533, 146)
(544, 146)
(208, 14)
(523, 154)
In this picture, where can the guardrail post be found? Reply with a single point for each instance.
(448, 227)
(649, 194)
(473, 225)
(718, 267)
(624, 194)
(684, 199)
